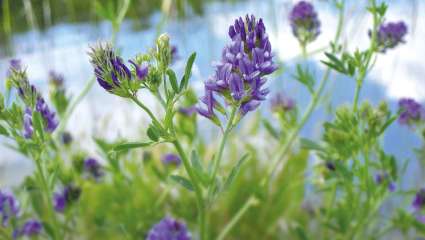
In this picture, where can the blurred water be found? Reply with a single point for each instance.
(63, 48)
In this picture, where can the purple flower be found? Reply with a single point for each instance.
(174, 53)
(56, 79)
(330, 166)
(188, 111)
(241, 74)
(410, 111)
(281, 102)
(421, 219)
(304, 22)
(171, 159)
(9, 207)
(14, 65)
(384, 178)
(141, 71)
(49, 116)
(169, 229)
(419, 200)
(31, 228)
(66, 138)
(390, 35)
(93, 167)
(28, 129)
(67, 196)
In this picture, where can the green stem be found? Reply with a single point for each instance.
(146, 109)
(359, 84)
(218, 156)
(197, 188)
(46, 188)
(248, 204)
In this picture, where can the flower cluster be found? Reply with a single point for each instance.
(171, 159)
(169, 229)
(67, 196)
(113, 75)
(391, 34)
(281, 102)
(384, 178)
(31, 228)
(241, 74)
(304, 22)
(93, 168)
(9, 207)
(32, 99)
(410, 111)
(419, 200)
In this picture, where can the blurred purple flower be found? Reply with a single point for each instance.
(69, 194)
(188, 111)
(93, 167)
(384, 178)
(31, 228)
(241, 74)
(66, 138)
(56, 79)
(280, 102)
(9, 207)
(391, 34)
(304, 22)
(28, 129)
(419, 200)
(169, 229)
(141, 70)
(171, 159)
(410, 111)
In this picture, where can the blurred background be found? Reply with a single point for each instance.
(54, 35)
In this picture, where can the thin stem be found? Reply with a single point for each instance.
(73, 105)
(46, 188)
(218, 156)
(146, 109)
(312, 105)
(248, 204)
(197, 188)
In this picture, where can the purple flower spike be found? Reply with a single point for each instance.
(391, 34)
(240, 76)
(9, 207)
(171, 159)
(48, 115)
(169, 229)
(280, 102)
(304, 22)
(419, 200)
(31, 228)
(411, 111)
(93, 167)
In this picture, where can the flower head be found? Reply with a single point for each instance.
(390, 35)
(31, 228)
(410, 111)
(419, 200)
(67, 196)
(93, 167)
(304, 22)
(112, 73)
(171, 159)
(169, 229)
(9, 207)
(49, 116)
(241, 74)
(280, 102)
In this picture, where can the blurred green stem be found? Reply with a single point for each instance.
(248, 204)
(312, 105)
(197, 189)
(48, 195)
(7, 26)
(146, 109)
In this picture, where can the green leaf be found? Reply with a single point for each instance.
(199, 169)
(234, 172)
(182, 181)
(3, 131)
(187, 72)
(153, 133)
(131, 145)
(173, 80)
(38, 124)
(270, 129)
(311, 145)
